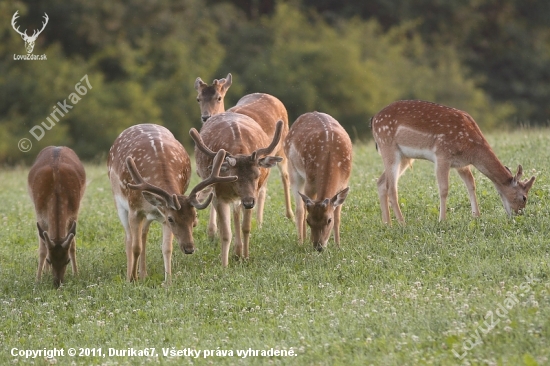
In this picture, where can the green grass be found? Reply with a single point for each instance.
(390, 296)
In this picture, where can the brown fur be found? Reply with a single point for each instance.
(320, 155)
(56, 184)
(163, 169)
(408, 130)
(242, 138)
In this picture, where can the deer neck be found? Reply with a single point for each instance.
(487, 163)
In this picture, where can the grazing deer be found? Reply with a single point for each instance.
(450, 138)
(265, 109)
(160, 168)
(248, 149)
(56, 184)
(319, 152)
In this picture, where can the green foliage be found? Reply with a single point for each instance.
(142, 60)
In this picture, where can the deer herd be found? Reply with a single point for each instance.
(150, 172)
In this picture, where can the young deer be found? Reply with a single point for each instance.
(450, 138)
(149, 156)
(265, 109)
(248, 149)
(56, 184)
(319, 153)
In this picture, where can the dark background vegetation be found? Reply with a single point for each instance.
(347, 58)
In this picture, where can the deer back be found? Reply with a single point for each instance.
(56, 184)
(266, 110)
(431, 129)
(237, 134)
(158, 156)
(321, 150)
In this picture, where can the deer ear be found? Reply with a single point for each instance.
(529, 184)
(339, 197)
(227, 82)
(40, 232)
(72, 229)
(154, 199)
(306, 199)
(199, 84)
(269, 161)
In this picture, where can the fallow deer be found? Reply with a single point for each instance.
(149, 172)
(450, 138)
(56, 184)
(319, 152)
(248, 149)
(265, 109)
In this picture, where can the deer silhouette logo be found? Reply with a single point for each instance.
(29, 40)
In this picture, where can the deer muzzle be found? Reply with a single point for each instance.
(188, 248)
(248, 202)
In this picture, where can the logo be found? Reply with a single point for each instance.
(29, 40)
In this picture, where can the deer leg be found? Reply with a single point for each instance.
(262, 192)
(247, 224)
(442, 169)
(142, 257)
(237, 225)
(133, 251)
(392, 174)
(466, 174)
(212, 223)
(224, 225)
(297, 182)
(336, 227)
(72, 256)
(167, 238)
(42, 254)
(283, 169)
(383, 197)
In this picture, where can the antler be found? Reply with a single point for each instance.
(24, 34)
(43, 26)
(13, 19)
(200, 144)
(212, 179)
(142, 185)
(274, 142)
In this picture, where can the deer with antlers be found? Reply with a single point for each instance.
(319, 152)
(450, 138)
(29, 40)
(149, 172)
(248, 157)
(265, 109)
(56, 184)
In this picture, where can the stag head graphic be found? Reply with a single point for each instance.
(29, 41)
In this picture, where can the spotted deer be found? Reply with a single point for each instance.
(265, 109)
(56, 184)
(248, 157)
(450, 138)
(319, 152)
(149, 172)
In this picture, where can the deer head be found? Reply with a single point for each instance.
(179, 210)
(246, 167)
(58, 252)
(210, 97)
(29, 40)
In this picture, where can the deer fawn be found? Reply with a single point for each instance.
(56, 184)
(248, 149)
(157, 163)
(450, 138)
(319, 152)
(265, 109)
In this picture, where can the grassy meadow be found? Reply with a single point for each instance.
(465, 291)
